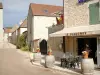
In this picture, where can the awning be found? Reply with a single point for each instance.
(77, 31)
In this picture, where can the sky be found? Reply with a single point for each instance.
(16, 10)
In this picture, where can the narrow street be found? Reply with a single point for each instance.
(14, 63)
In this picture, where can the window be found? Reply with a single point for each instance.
(46, 11)
(94, 13)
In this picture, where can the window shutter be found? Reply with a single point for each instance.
(94, 13)
(99, 10)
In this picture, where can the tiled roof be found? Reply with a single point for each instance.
(1, 7)
(58, 12)
(44, 10)
(24, 24)
(14, 28)
(7, 30)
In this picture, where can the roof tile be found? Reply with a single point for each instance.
(24, 24)
(44, 10)
(7, 30)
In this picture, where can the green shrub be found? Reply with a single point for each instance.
(25, 48)
(21, 42)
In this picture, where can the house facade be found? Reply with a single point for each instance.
(22, 28)
(7, 34)
(81, 27)
(56, 42)
(39, 18)
(1, 22)
(14, 34)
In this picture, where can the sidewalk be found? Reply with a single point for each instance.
(11, 45)
(56, 66)
(4, 45)
(42, 63)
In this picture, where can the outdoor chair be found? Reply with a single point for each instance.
(63, 62)
(78, 60)
(70, 61)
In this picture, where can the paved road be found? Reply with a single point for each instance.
(13, 63)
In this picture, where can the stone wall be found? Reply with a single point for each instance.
(76, 14)
(55, 28)
(55, 42)
(29, 29)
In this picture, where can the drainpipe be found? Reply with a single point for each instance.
(64, 44)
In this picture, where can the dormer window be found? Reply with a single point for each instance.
(46, 11)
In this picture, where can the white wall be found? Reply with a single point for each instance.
(1, 25)
(30, 28)
(5, 37)
(14, 37)
(22, 30)
(9, 37)
(40, 26)
(9, 34)
(1, 18)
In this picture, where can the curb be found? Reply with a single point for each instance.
(42, 66)
(73, 73)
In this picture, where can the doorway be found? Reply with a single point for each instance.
(92, 42)
(43, 46)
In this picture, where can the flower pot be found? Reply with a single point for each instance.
(49, 53)
(49, 61)
(38, 50)
(87, 66)
(37, 57)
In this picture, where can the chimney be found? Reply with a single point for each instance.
(21, 22)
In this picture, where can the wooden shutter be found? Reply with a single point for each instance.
(94, 13)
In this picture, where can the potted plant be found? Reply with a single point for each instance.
(37, 55)
(49, 51)
(87, 64)
(49, 59)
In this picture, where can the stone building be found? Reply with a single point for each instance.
(1, 22)
(39, 18)
(81, 27)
